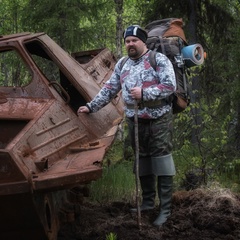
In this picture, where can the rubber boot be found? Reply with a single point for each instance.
(165, 186)
(148, 185)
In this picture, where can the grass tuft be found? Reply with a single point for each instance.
(117, 183)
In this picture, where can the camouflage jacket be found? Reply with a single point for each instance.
(156, 85)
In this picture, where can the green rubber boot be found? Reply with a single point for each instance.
(148, 185)
(165, 186)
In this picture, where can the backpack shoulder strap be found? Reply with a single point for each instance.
(123, 62)
(152, 59)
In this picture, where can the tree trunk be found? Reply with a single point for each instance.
(195, 98)
(238, 129)
(119, 27)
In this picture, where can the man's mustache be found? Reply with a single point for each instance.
(131, 48)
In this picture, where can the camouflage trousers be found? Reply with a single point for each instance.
(155, 145)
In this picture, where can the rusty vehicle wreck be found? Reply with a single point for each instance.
(46, 151)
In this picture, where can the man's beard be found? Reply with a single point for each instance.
(133, 54)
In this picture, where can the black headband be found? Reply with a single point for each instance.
(135, 31)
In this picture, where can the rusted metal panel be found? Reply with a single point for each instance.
(44, 146)
(9, 171)
(12, 180)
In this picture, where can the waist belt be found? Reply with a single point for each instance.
(142, 120)
(149, 104)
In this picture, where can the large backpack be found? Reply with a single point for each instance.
(167, 36)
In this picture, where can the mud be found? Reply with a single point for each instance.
(196, 215)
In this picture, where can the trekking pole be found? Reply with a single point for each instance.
(137, 163)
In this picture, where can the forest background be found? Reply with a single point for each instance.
(207, 134)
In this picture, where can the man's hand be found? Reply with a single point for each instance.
(136, 93)
(83, 109)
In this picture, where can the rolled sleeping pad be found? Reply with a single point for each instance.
(193, 55)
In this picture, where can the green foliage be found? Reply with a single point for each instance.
(115, 154)
(211, 154)
(111, 236)
(229, 175)
(70, 23)
(11, 15)
(13, 71)
(134, 12)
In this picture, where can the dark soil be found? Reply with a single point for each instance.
(196, 215)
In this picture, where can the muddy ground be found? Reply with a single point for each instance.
(196, 215)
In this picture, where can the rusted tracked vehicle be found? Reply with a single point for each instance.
(45, 148)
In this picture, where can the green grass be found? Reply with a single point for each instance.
(118, 180)
(117, 183)
(111, 236)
